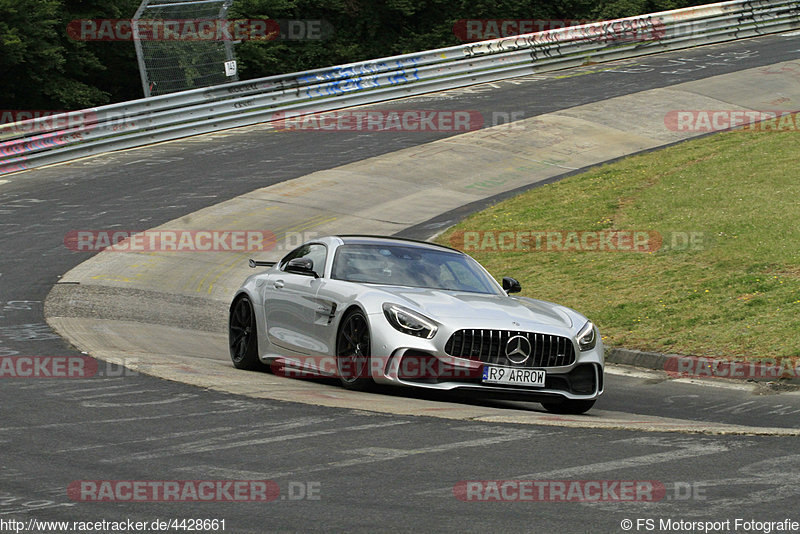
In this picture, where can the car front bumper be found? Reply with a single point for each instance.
(401, 359)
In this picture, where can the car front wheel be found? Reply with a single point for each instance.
(353, 352)
(243, 337)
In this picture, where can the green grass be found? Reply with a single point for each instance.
(735, 295)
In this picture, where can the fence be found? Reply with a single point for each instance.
(43, 141)
(177, 65)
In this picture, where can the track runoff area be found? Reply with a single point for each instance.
(128, 426)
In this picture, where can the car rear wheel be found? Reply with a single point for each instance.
(569, 406)
(353, 352)
(243, 337)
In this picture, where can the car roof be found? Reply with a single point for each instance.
(358, 239)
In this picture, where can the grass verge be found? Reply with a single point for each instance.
(725, 281)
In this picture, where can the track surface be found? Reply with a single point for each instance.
(372, 470)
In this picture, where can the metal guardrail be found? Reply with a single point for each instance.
(58, 138)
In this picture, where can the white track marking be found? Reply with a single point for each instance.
(685, 449)
(779, 475)
(121, 420)
(114, 394)
(171, 435)
(371, 455)
(36, 509)
(177, 398)
(213, 471)
(206, 446)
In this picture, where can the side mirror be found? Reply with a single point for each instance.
(511, 285)
(301, 266)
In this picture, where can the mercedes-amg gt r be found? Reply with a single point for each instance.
(384, 310)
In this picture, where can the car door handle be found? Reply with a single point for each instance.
(278, 284)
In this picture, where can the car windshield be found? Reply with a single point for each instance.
(403, 265)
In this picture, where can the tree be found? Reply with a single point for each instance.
(42, 68)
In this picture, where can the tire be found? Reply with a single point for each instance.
(243, 336)
(353, 352)
(569, 407)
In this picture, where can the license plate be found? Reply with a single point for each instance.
(513, 377)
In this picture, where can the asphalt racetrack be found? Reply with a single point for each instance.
(347, 468)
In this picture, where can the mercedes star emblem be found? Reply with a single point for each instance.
(518, 349)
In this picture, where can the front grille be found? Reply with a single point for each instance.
(489, 346)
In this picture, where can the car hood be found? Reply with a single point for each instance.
(442, 304)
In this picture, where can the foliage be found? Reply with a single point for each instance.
(41, 67)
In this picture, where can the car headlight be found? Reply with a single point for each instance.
(409, 321)
(587, 338)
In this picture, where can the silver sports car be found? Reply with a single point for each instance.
(383, 310)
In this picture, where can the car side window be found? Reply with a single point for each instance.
(463, 276)
(316, 252)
